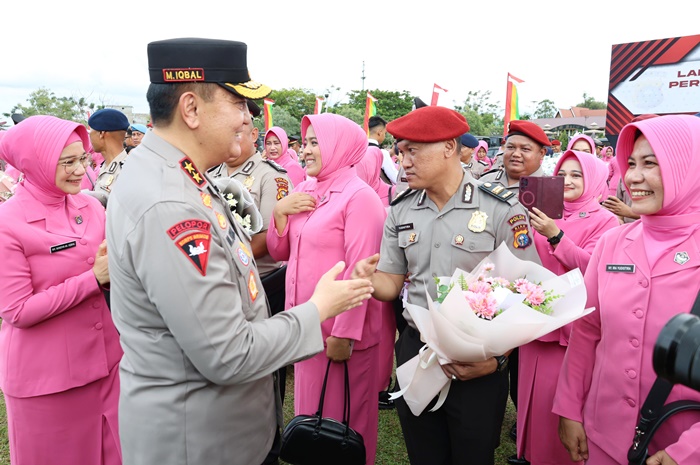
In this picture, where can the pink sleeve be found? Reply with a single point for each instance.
(278, 245)
(364, 222)
(577, 370)
(20, 305)
(686, 450)
(572, 255)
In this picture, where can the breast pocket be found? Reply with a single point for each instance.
(468, 249)
(408, 241)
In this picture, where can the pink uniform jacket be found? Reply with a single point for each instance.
(345, 225)
(640, 275)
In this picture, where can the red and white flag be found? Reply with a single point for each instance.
(436, 93)
(318, 107)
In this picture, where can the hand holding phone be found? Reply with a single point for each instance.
(546, 193)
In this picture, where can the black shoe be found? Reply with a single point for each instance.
(384, 402)
(514, 460)
(514, 432)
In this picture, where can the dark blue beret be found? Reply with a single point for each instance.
(108, 119)
(469, 141)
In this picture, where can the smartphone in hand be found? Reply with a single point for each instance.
(546, 193)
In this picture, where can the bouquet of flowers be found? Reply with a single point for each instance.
(241, 203)
(478, 316)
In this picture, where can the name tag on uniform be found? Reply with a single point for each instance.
(60, 247)
(404, 227)
(620, 268)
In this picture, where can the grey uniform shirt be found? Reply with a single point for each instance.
(199, 347)
(420, 240)
(109, 173)
(500, 176)
(268, 183)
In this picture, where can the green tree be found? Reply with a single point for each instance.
(280, 118)
(591, 103)
(545, 109)
(297, 102)
(482, 114)
(44, 102)
(390, 104)
(350, 113)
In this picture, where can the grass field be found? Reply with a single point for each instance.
(391, 449)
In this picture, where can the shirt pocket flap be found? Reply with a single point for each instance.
(408, 238)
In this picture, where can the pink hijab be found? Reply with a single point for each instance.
(595, 177)
(485, 146)
(342, 143)
(286, 159)
(369, 169)
(675, 140)
(577, 137)
(34, 148)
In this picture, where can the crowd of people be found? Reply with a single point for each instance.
(146, 320)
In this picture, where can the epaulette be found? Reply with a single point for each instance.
(499, 191)
(276, 165)
(483, 162)
(495, 170)
(403, 195)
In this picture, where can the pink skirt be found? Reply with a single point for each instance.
(77, 426)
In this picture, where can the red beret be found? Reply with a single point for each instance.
(528, 129)
(429, 124)
(556, 142)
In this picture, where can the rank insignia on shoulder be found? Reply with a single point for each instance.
(403, 195)
(421, 199)
(497, 190)
(191, 171)
(276, 165)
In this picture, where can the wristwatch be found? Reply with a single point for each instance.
(555, 240)
(502, 361)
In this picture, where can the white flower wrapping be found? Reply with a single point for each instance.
(241, 203)
(453, 332)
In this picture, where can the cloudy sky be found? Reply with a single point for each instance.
(561, 49)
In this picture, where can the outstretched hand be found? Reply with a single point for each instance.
(366, 267)
(332, 297)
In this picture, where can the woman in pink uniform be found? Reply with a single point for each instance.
(581, 143)
(563, 245)
(60, 349)
(607, 372)
(333, 216)
(277, 150)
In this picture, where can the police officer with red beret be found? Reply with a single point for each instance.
(446, 220)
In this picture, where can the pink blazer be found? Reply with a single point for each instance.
(57, 331)
(607, 371)
(346, 225)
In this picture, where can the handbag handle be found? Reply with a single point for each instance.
(346, 401)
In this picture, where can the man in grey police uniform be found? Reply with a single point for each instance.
(199, 345)
(525, 148)
(447, 219)
(107, 130)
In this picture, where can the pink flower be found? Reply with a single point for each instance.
(534, 294)
(480, 287)
(482, 304)
(498, 281)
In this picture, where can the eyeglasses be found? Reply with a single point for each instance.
(70, 166)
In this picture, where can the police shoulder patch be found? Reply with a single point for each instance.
(276, 166)
(403, 195)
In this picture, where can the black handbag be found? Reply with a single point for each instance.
(314, 440)
(654, 412)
